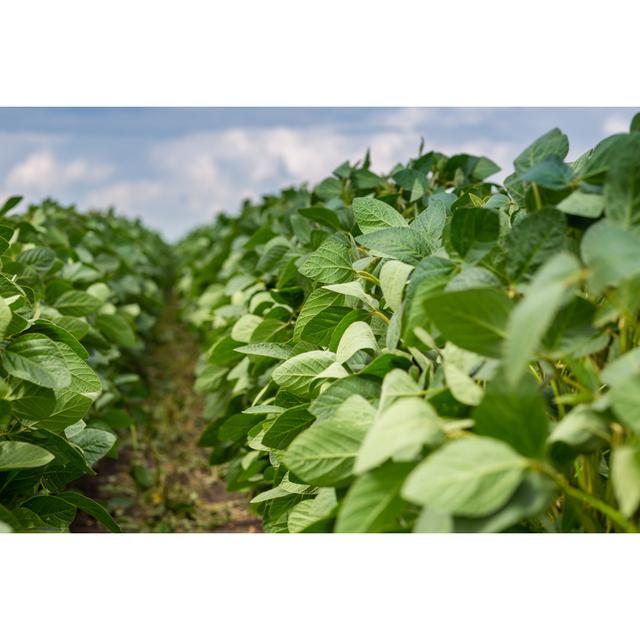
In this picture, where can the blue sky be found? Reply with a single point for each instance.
(176, 167)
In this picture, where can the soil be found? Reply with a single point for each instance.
(161, 481)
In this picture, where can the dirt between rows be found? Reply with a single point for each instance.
(160, 480)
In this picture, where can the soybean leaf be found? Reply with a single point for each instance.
(22, 455)
(372, 215)
(324, 454)
(470, 477)
(474, 319)
(35, 357)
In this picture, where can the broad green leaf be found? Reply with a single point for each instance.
(580, 431)
(372, 215)
(531, 498)
(404, 427)
(552, 143)
(5, 318)
(430, 223)
(77, 303)
(92, 508)
(402, 243)
(549, 290)
(245, 326)
(456, 372)
(625, 472)
(612, 254)
(474, 319)
(116, 329)
(69, 408)
(95, 443)
(287, 426)
(624, 402)
(22, 455)
(585, 205)
(355, 290)
(331, 262)
(550, 173)
(393, 278)
(473, 477)
(533, 241)
(297, 374)
(318, 301)
(322, 215)
(514, 414)
(266, 349)
(54, 511)
(373, 501)
(84, 379)
(357, 337)
(324, 454)
(474, 232)
(397, 384)
(35, 357)
(622, 189)
(337, 392)
(306, 515)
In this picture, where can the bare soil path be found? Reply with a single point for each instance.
(161, 480)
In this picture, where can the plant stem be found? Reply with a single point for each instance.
(613, 514)
(536, 195)
(368, 276)
(380, 315)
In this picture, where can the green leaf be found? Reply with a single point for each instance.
(77, 303)
(337, 392)
(357, 337)
(612, 254)
(402, 428)
(323, 455)
(318, 301)
(95, 443)
(35, 357)
(22, 455)
(373, 501)
(354, 290)
(9, 204)
(402, 243)
(474, 232)
(585, 205)
(287, 426)
(553, 142)
(393, 278)
(116, 329)
(514, 414)
(622, 189)
(469, 477)
(297, 374)
(330, 262)
(322, 215)
(54, 511)
(84, 379)
(266, 349)
(373, 215)
(92, 508)
(474, 319)
(308, 514)
(533, 241)
(550, 289)
(550, 173)
(5, 318)
(625, 472)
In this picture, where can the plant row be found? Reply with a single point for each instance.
(429, 350)
(79, 294)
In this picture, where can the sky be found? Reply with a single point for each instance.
(177, 167)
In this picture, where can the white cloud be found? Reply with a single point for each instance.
(615, 123)
(41, 173)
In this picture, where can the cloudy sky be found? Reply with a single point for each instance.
(176, 168)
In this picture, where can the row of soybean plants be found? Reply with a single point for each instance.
(78, 294)
(430, 350)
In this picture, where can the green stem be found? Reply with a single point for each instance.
(536, 195)
(380, 315)
(613, 514)
(368, 276)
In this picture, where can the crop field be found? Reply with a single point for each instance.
(427, 350)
